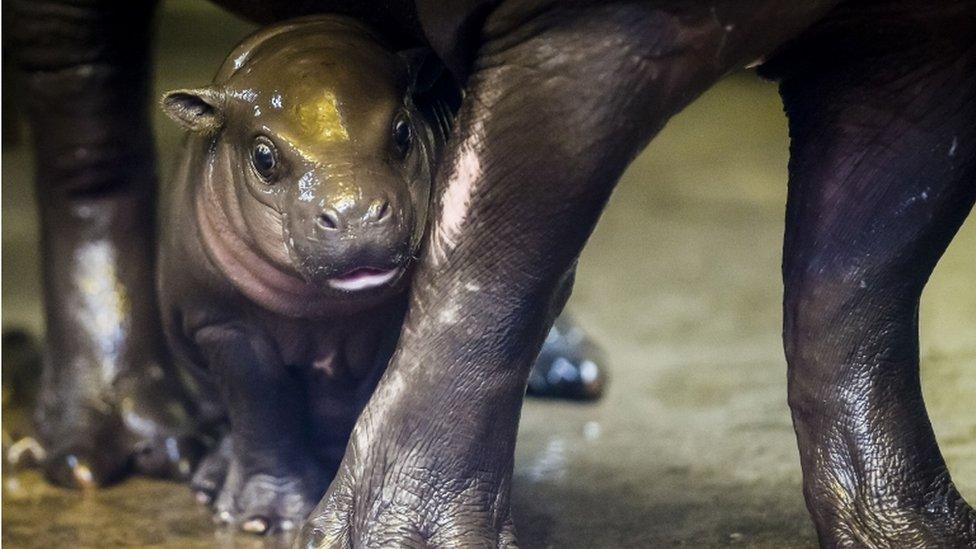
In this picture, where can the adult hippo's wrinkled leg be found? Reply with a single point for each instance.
(883, 172)
(104, 397)
(559, 101)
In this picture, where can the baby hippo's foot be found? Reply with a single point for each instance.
(569, 366)
(260, 500)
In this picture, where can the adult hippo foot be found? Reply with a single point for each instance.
(396, 487)
(259, 499)
(946, 520)
(570, 365)
(413, 511)
(144, 428)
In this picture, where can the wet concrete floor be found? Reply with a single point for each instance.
(692, 444)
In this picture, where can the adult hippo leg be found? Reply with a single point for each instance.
(882, 175)
(559, 101)
(103, 395)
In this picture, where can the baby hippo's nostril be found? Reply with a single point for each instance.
(328, 220)
(379, 211)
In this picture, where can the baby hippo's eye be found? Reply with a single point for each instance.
(264, 158)
(402, 135)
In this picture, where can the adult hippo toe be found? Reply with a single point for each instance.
(559, 97)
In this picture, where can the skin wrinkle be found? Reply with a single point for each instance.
(457, 196)
(267, 284)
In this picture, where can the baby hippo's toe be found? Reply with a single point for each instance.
(209, 477)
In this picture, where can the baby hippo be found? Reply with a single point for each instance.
(286, 244)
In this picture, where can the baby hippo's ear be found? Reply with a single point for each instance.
(423, 69)
(432, 87)
(200, 110)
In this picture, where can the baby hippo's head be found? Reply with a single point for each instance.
(318, 152)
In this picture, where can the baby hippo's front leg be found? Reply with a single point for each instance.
(272, 480)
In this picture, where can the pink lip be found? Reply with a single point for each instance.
(363, 278)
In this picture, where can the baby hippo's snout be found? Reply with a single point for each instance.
(339, 218)
(351, 237)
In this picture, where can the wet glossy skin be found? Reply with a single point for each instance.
(340, 188)
(535, 154)
(339, 212)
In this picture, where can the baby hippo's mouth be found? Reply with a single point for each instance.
(363, 278)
